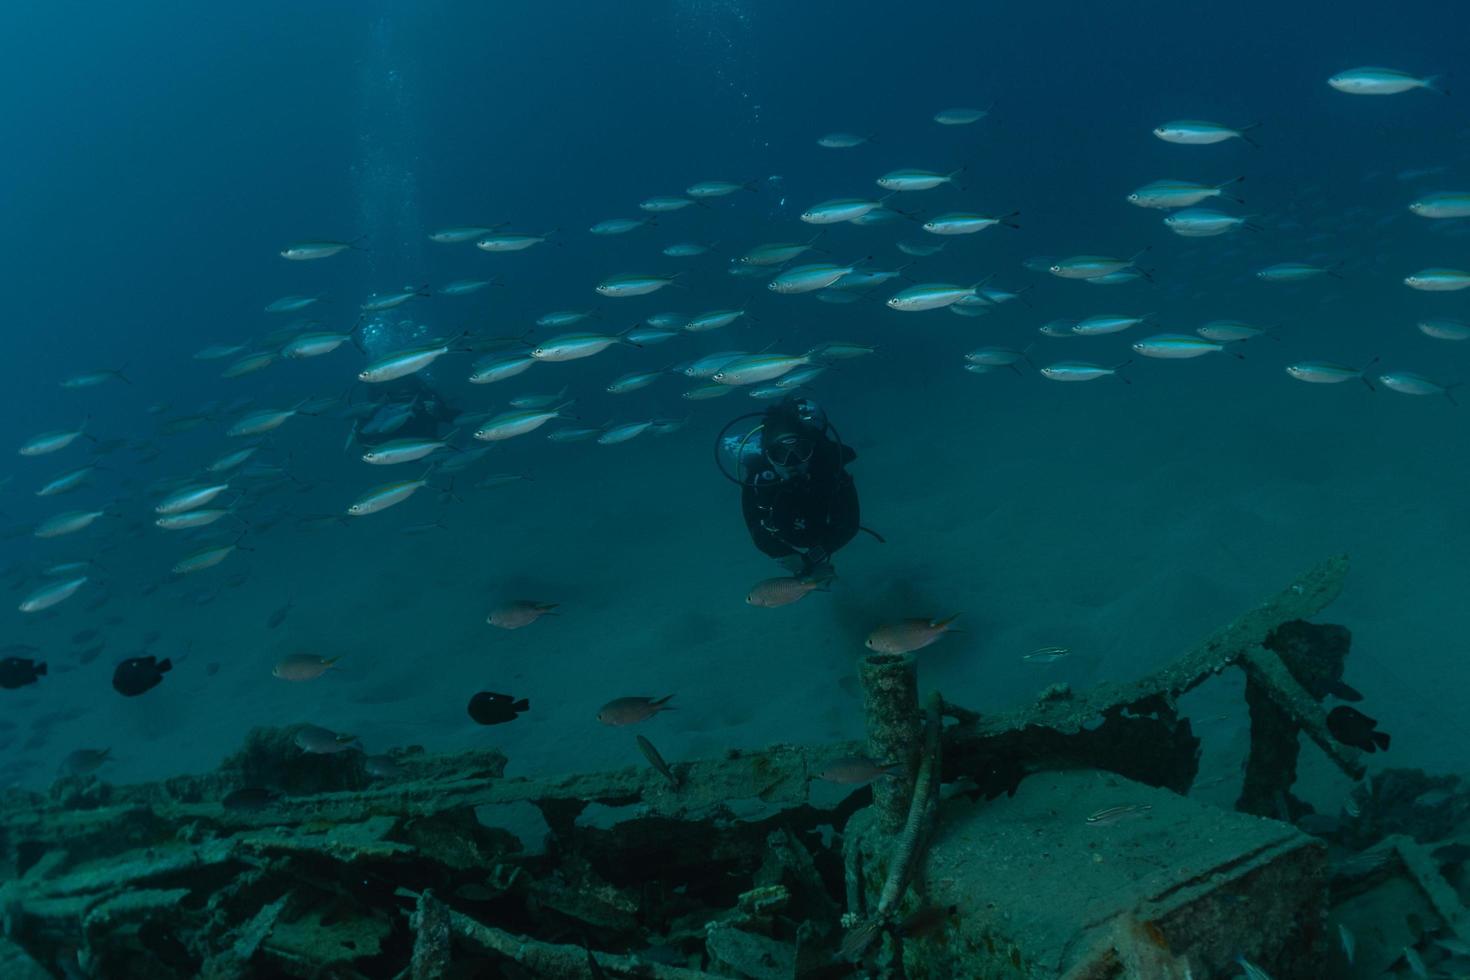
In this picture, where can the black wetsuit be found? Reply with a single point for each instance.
(812, 511)
(432, 412)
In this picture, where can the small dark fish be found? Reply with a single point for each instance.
(490, 708)
(139, 675)
(211, 668)
(1351, 727)
(657, 761)
(17, 672)
(250, 798)
(84, 761)
(83, 636)
(90, 654)
(279, 616)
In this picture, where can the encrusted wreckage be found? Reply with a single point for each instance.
(1053, 840)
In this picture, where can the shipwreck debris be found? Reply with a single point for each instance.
(297, 865)
(895, 731)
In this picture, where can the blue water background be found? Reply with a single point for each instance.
(159, 157)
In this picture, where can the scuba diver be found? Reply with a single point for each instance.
(799, 501)
(408, 407)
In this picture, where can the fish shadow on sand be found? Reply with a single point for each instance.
(689, 630)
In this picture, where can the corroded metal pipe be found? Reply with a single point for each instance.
(895, 731)
(909, 843)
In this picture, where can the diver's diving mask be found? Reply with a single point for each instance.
(790, 451)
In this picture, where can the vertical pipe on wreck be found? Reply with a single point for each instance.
(895, 731)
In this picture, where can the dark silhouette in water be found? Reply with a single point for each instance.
(492, 708)
(17, 672)
(795, 492)
(1351, 727)
(139, 675)
(430, 411)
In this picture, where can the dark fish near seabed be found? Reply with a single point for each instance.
(84, 761)
(17, 672)
(629, 711)
(491, 708)
(657, 761)
(1351, 727)
(139, 675)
